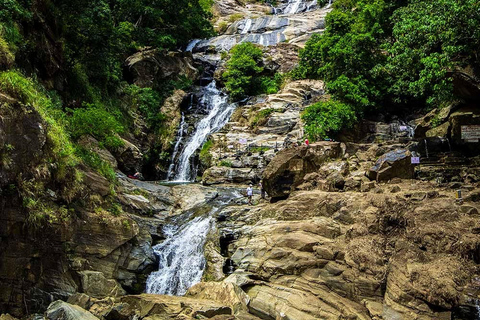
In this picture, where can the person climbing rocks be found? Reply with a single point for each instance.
(262, 190)
(250, 193)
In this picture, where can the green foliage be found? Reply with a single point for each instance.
(242, 69)
(12, 14)
(225, 163)
(115, 209)
(205, 155)
(6, 56)
(261, 117)
(396, 54)
(148, 101)
(259, 149)
(324, 117)
(96, 121)
(244, 73)
(29, 93)
(94, 161)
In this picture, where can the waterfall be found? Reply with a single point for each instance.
(329, 4)
(219, 113)
(292, 7)
(248, 25)
(192, 45)
(177, 146)
(181, 257)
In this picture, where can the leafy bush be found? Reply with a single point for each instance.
(323, 118)
(244, 73)
(97, 122)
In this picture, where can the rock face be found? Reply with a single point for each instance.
(287, 170)
(268, 31)
(394, 164)
(280, 128)
(45, 252)
(297, 259)
(149, 67)
(22, 138)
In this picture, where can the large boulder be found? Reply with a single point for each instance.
(96, 285)
(149, 67)
(60, 310)
(129, 157)
(394, 164)
(287, 170)
(217, 175)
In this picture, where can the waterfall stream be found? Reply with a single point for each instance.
(219, 112)
(181, 258)
(177, 146)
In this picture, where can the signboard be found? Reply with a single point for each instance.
(471, 133)
(415, 160)
(242, 140)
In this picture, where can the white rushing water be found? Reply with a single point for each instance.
(181, 257)
(219, 112)
(177, 146)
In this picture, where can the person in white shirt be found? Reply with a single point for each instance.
(250, 194)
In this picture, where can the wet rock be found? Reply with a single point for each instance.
(7, 317)
(394, 164)
(97, 286)
(289, 167)
(60, 310)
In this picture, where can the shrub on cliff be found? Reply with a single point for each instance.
(244, 75)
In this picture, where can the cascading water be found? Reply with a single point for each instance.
(177, 146)
(292, 7)
(219, 112)
(181, 257)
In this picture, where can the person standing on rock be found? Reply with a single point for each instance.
(250, 193)
(307, 142)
